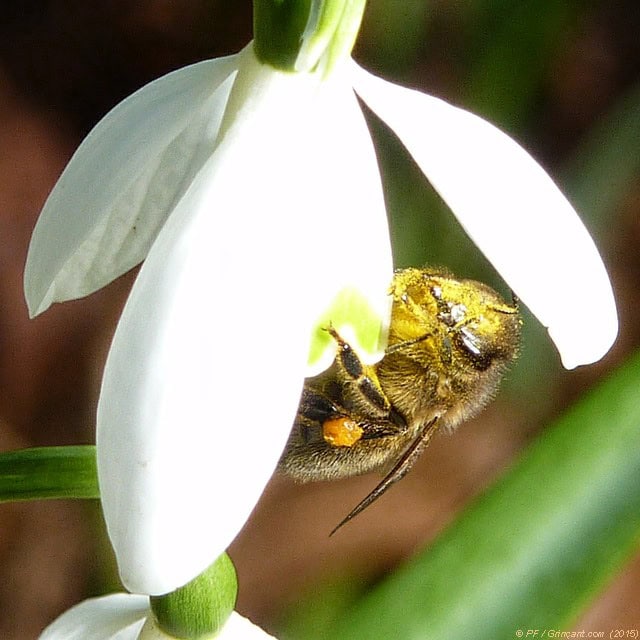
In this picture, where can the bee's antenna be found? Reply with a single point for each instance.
(398, 472)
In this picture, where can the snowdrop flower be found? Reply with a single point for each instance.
(254, 198)
(124, 616)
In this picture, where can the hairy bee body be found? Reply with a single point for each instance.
(449, 344)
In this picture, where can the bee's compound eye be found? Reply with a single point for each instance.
(341, 431)
(475, 348)
(470, 342)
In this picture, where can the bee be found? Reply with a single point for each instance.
(450, 342)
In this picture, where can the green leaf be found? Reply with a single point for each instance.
(534, 550)
(49, 472)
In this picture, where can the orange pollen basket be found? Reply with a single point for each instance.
(341, 432)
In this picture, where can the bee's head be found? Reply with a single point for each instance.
(466, 319)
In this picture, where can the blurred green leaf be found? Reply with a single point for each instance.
(535, 549)
(49, 472)
(513, 46)
(318, 610)
(606, 165)
(393, 33)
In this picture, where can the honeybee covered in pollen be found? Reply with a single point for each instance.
(450, 342)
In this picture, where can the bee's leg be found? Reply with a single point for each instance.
(361, 379)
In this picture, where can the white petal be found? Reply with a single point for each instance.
(204, 375)
(200, 388)
(333, 180)
(235, 628)
(512, 210)
(345, 201)
(239, 628)
(119, 616)
(123, 181)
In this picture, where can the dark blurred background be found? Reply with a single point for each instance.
(563, 77)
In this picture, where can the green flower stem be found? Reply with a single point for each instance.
(345, 34)
(300, 35)
(199, 609)
(49, 472)
(533, 551)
